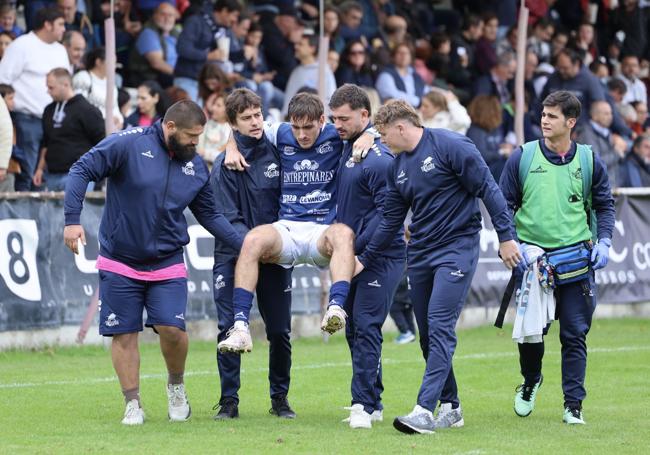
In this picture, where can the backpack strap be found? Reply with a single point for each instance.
(527, 154)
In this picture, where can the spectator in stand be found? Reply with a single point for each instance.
(154, 55)
(486, 52)
(462, 53)
(487, 133)
(25, 66)
(558, 42)
(282, 31)
(8, 20)
(441, 109)
(630, 19)
(354, 67)
(13, 168)
(151, 105)
(351, 17)
(572, 76)
(636, 89)
(333, 60)
(509, 42)
(610, 147)
(635, 169)
(257, 71)
(217, 129)
(91, 83)
(78, 21)
(496, 83)
(394, 32)
(306, 74)
(6, 145)
(75, 45)
(399, 80)
(586, 41)
(540, 40)
(71, 127)
(199, 41)
(640, 126)
(331, 25)
(124, 102)
(6, 38)
(212, 79)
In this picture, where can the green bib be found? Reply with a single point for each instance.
(552, 212)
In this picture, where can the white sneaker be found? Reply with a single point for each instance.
(334, 319)
(448, 417)
(359, 418)
(376, 416)
(238, 340)
(133, 414)
(178, 409)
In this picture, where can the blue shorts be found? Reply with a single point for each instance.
(122, 300)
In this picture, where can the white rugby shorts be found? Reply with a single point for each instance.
(300, 243)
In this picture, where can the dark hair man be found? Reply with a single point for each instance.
(361, 189)
(71, 127)
(153, 174)
(247, 200)
(635, 169)
(440, 176)
(550, 211)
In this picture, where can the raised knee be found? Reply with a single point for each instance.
(341, 233)
(254, 243)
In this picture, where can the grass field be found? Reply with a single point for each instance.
(68, 401)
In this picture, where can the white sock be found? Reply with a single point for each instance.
(241, 325)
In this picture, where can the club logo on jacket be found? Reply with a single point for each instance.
(305, 165)
(272, 171)
(324, 148)
(401, 177)
(219, 282)
(428, 165)
(315, 197)
(578, 174)
(289, 150)
(188, 169)
(350, 163)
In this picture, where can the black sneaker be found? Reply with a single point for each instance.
(227, 409)
(280, 407)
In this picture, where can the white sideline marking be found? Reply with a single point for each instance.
(315, 366)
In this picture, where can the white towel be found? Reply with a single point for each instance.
(535, 305)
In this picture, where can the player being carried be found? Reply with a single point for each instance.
(305, 233)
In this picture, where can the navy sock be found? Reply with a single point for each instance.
(242, 301)
(339, 292)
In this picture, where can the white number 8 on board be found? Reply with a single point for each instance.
(18, 244)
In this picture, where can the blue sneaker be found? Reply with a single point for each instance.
(405, 338)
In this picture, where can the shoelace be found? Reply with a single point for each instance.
(178, 396)
(225, 406)
(526, 391)
(575, 413)
(279, 406)
(131, 411)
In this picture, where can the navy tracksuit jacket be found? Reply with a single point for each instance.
(441, 181)
(574, 308)
(361, 189)
(143, 225)
(248, 199)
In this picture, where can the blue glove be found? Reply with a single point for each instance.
(600, 254)
(525, 261)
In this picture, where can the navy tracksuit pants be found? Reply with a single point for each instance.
(401, 310)
(367, 306)
(575, 307)
(274, 303)
(439, 285)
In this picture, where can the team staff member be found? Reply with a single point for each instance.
(553, 191)
(249, 199)
(439, 175)
(153, 175)
(360, 198)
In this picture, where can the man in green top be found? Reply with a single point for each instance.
(543, 185)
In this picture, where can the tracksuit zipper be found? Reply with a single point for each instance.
(169, 162)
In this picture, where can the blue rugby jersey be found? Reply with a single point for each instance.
(308, 188)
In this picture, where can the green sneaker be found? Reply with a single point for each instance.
(573, 416)
(525, 397)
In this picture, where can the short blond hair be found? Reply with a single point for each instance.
(395, 110)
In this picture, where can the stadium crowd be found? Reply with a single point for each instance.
(453, 61)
